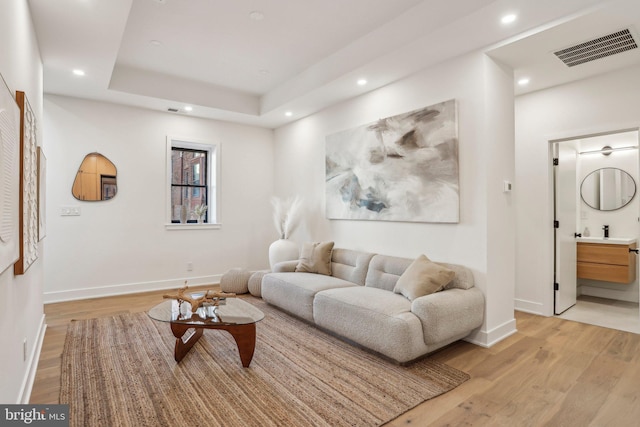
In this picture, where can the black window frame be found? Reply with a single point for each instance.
(203, 178)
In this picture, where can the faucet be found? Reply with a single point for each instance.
(606, 231)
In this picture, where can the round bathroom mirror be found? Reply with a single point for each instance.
(607, 189)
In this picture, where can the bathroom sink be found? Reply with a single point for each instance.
(609, 241)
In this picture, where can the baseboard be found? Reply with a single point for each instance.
(593, 291)
(34, 358)
(127, 288)
(487, 339)
(529, 307)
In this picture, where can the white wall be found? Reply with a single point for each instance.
(485, 108)
(121, 245)
(21, 309)
(605, 103)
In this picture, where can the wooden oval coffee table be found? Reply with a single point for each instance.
(236, 317)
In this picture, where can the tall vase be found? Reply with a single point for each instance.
(282, 250)
(183, 214)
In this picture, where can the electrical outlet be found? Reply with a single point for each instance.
(189, 266)
(24, 350)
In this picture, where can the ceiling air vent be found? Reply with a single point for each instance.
(601, 47)
(172, 110)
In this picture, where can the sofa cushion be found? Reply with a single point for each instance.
(463, 278)
(374, 318)
(452, 312)
(315, 258)
(350, 265)
(384, 271)
(294, 292)
(423, 277)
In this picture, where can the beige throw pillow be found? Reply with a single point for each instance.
(423, 277)
(316, 258)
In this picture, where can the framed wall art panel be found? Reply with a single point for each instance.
(400, 168)
(9, 177)
(42, 192)
(28, 216)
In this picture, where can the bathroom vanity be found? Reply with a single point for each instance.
(608, 260)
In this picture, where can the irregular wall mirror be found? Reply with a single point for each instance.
(96, 179)
(608, 189)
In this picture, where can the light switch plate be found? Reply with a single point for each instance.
(70, 211)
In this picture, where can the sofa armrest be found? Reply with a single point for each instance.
(285, 266)
(449, 313)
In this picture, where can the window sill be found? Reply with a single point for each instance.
(193, 226)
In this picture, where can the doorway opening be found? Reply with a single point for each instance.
(596, 180)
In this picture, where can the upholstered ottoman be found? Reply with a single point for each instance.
(235, 280)
(255, 283)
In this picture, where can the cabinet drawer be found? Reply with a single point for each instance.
(605, 254)
(606, 272)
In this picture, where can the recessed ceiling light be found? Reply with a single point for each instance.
(263, 72)
(188, 108)
(508, 19)
(288, 114)
(78, 72)
(523, 81)
(362, 82)
(256, 15)
(155, 43)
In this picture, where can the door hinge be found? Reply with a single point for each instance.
(556, 224)
(555, 162)
(556, 287)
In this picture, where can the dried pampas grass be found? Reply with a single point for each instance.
(286, 215)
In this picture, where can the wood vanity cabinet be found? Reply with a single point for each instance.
(606, 262)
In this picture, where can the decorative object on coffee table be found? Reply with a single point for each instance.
(209, 297)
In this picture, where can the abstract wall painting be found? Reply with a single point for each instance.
(402, 168)
(9, 177)
(28, 187)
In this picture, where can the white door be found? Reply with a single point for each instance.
(566, 195)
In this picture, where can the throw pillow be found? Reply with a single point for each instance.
(423, 277)
(316, 258)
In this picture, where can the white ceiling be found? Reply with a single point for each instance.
(302, 56)
(532, 56)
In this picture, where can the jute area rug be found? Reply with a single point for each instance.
(120, 371)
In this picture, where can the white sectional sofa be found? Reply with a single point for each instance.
(357, 302)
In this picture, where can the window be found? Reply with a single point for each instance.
(192, 179)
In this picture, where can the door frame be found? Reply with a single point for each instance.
(564, 137)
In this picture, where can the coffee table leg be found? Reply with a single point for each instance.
(245, 336)
(182, 347)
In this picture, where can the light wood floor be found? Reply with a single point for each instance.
(553, 372)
